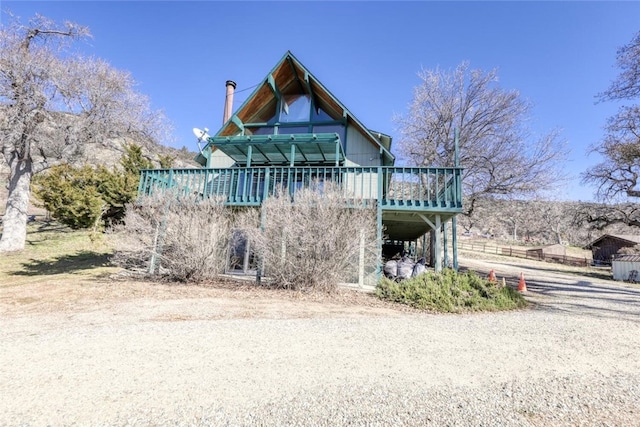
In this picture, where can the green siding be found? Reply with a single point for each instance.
(360, 151)
(220, 160)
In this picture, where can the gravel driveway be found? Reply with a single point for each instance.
(573, 359)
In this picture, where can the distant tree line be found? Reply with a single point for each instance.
(539, 222)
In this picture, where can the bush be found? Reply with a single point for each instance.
(183, 238)
(84, 197)
(71, 195)
(450, 292)
(314, 241)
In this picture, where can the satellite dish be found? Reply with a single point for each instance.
(202, 136)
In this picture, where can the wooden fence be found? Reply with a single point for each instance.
(524, 253)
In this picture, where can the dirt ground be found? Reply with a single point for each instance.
(228, 299)
(111, 350)
(224, 299)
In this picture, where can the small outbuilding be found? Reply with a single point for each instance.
(607, 246)
(626, 267)
(547, 252)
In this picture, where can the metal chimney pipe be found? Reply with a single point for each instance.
(228, 101)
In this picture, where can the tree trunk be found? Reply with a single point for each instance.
(15, 218)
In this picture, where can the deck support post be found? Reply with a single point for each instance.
(435, 243)
(454, 242)
(438, 245)
(445, 244)
(379, 224)
(265, 195)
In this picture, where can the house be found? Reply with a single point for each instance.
(607, 246)
(291, 131)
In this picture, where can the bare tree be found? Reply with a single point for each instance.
(498, 152)
(53, 104)
(543, 221)
(616, 177)
(600, 216)
(514, 216)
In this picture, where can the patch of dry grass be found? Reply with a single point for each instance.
(55, 252)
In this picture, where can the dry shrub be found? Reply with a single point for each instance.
(181, 237)
(319, 239)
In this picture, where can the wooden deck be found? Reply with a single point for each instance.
(394, 188)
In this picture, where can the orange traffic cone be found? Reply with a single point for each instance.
(492, 276)
(522, 285)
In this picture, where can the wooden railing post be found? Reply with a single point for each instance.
(143, 175)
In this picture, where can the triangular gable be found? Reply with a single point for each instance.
(290, 76)
(627, 238)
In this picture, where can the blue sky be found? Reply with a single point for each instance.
(559, 55)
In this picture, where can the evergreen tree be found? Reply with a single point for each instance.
(82, 197)
(71, 195)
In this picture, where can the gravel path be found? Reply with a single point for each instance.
(574, 359)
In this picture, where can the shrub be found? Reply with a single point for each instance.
(83, 197)
(71, 195)
(313, 240)
(449, 291)
(183, 238)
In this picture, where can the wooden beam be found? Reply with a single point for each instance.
(236, 120)
(425, 219)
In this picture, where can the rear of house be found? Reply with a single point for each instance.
(292, 132)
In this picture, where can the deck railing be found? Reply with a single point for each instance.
(396, 188)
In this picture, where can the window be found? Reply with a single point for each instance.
(295, 108)
(337, 128)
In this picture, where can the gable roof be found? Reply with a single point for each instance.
(290, 71)
(629, 238)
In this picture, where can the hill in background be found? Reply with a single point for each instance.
(109, 156)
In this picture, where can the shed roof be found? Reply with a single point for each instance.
(627, 258)
(630, 238)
